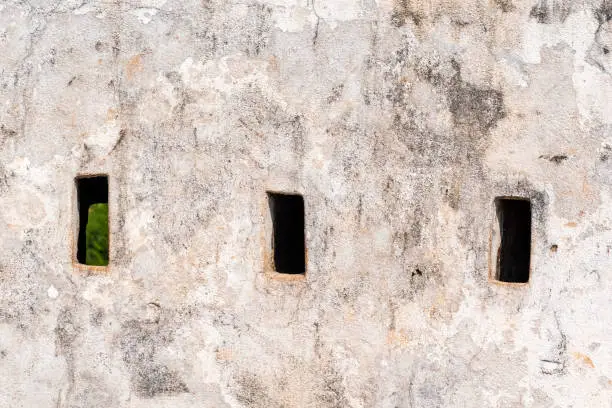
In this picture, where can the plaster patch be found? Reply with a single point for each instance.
(84, 9)
(24, 208)
(399, 157)
(19, 165)
(144, 15)
(52, 292)
(513, 71)
(139, 223)
(105, 139)
(339, 10)
(294, 19)
(536, 36)
(145, 264)
(222, 75)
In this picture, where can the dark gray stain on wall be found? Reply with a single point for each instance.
(557, 158)
(416, 143)
(6, 132)
(259, 24)
(551, 11)
(602, 40)
(505, 5)
(475, 106)
(332, 392)
(472, 105)
(253, 393)
(140, 342)
(603, 13)
(66, 333)
(402, 13)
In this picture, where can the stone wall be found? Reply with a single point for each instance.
(398, 121)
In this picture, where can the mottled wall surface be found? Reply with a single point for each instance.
(399, 121)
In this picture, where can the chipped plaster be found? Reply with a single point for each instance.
(399, 121)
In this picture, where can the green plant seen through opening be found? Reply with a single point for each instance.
(96, 235)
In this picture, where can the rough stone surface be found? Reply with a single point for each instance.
(399, 121)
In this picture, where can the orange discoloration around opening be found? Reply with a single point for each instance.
(79, 267)
(509, 284)
(571, 225)
(285, 277)
(493, 258)
(268, 252)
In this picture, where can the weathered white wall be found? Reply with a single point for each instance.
(399, 122)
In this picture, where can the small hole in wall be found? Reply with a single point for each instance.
(288, 241)
(92, 201)
(514, 254)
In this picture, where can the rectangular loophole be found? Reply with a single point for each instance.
(92, 202)
(514, 253)
(288, 242)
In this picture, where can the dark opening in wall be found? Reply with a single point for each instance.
(514, 254)
(92, 201)
(288, 241)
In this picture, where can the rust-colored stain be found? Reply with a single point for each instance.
(584, 358)
(72, 120)
(350, 315)
(571, 225)
(111, 115)
(398, 338)
(225, 354)
(273, 65)
(435, 311)
(133, 66)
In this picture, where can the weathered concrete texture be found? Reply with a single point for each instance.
(399, 122)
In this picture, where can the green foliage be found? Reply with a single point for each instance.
(96, 234)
